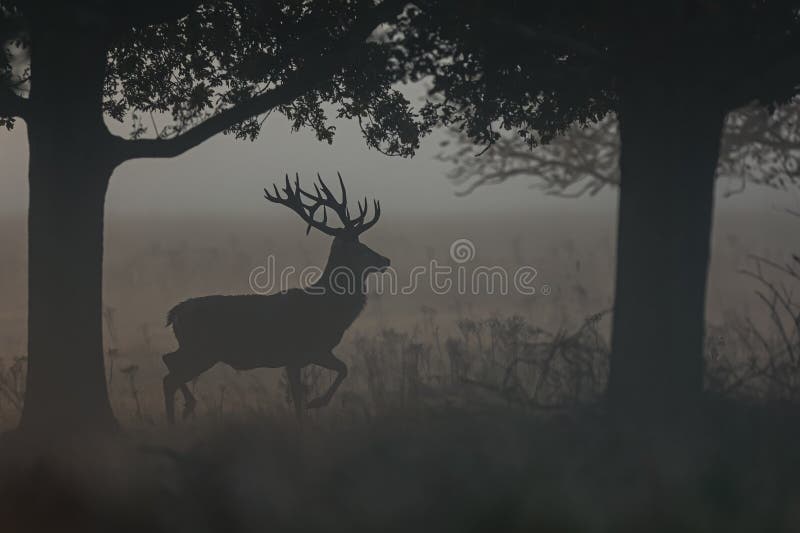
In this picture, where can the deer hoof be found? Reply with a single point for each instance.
(316, 403)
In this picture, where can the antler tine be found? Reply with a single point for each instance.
(366, 225)
(294, 201)
(341, 205)
(325, 190)
(344, 191)
(312, 210)
(325, 199)
(362, 226)
(288, 188)
(325, 196)
(362, 213)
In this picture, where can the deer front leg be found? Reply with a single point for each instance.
(331, 362)
(296, 389)
(189, 401)
(170, 388)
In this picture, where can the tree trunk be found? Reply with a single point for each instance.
(69, 171)
(670, 145)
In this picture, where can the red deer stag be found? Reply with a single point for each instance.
(290, 329)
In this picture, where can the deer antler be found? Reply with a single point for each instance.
(325, 199)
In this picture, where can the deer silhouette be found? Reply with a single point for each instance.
(291, 329)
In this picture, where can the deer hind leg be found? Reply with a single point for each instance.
(296, 390)
(189, 401)
(171, 385)
(183, 366)
(331, 362)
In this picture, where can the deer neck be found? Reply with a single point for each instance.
(340, 281)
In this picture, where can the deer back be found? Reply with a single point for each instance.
(250, 331)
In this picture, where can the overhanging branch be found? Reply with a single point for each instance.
(314, 72)
(165, 148)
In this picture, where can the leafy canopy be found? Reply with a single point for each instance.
(535, 68)
(173, 66)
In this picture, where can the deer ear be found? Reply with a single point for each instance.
(308, 230)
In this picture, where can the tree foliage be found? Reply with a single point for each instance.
(14, 76)
(179, 73)
(535, 69)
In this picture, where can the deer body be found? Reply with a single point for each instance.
(253, 331)
(292, 329)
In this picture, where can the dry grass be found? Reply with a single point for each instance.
(497, 469)
(453, 418)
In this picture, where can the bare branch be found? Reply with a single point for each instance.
(583, 154)
(758, 147)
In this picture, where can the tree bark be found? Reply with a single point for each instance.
(670, 145)
(69, 170)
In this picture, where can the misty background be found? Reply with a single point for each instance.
(198, 224)
(214, 195)
(226, 176)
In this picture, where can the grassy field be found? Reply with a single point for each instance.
(153, 264)
(460, 413)
(494, 468)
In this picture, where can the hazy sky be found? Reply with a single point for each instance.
(225, 177)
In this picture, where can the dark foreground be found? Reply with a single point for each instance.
(739, 470)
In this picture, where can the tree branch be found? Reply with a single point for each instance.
(314, 72)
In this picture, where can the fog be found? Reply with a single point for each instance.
(486, 402)
(225, 178)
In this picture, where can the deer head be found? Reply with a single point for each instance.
(348, 255)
